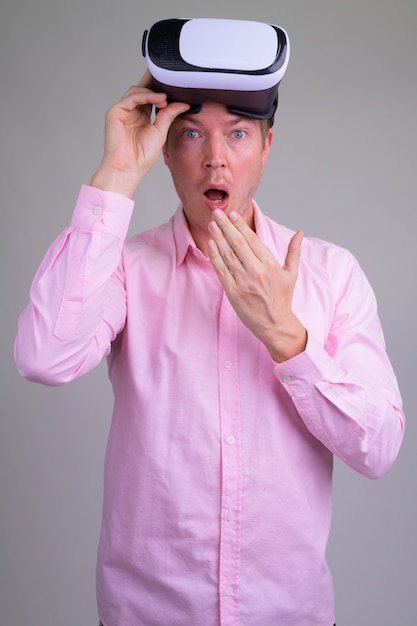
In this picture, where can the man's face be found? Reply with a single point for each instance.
(216, 160)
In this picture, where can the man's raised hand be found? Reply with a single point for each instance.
(132, 140)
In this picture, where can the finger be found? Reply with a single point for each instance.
(139, 96)
(292, 260)
(255, 244)
(221, 268)
(241, 238)
(230, 249)
(167, 115)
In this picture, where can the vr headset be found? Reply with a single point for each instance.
(237, 62)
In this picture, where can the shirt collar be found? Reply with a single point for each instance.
(182, 236)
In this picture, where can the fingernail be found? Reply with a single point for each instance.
(233, 216)
(213, 227)
(217, 213)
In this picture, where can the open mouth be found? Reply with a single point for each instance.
(216, 196)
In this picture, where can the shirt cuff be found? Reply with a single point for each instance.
(104, 211)
(304, 370)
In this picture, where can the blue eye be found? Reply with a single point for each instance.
(239, 134)
(190, 133)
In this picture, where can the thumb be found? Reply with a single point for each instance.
(292, 260)
(166, 115)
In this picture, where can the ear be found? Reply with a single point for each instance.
(165, 154)
(267, 145)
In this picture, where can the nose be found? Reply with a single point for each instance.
(215, 153)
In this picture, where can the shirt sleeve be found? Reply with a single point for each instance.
(77, 302)
(345, 391)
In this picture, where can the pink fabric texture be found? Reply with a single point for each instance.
(218, 473)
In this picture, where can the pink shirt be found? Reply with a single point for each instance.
(218, 474)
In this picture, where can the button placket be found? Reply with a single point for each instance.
(231, 495)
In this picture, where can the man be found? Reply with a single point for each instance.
(242, 358)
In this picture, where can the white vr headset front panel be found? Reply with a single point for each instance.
(237, 45)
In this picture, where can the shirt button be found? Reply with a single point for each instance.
(287, 379)
(228, 364)
(87, 272)
(97, 210)
(230, 440)
(229, 516)
(228, 591)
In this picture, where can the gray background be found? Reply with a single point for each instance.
(343, 168)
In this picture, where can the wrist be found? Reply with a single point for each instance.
(109, 179)
(288, 344)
